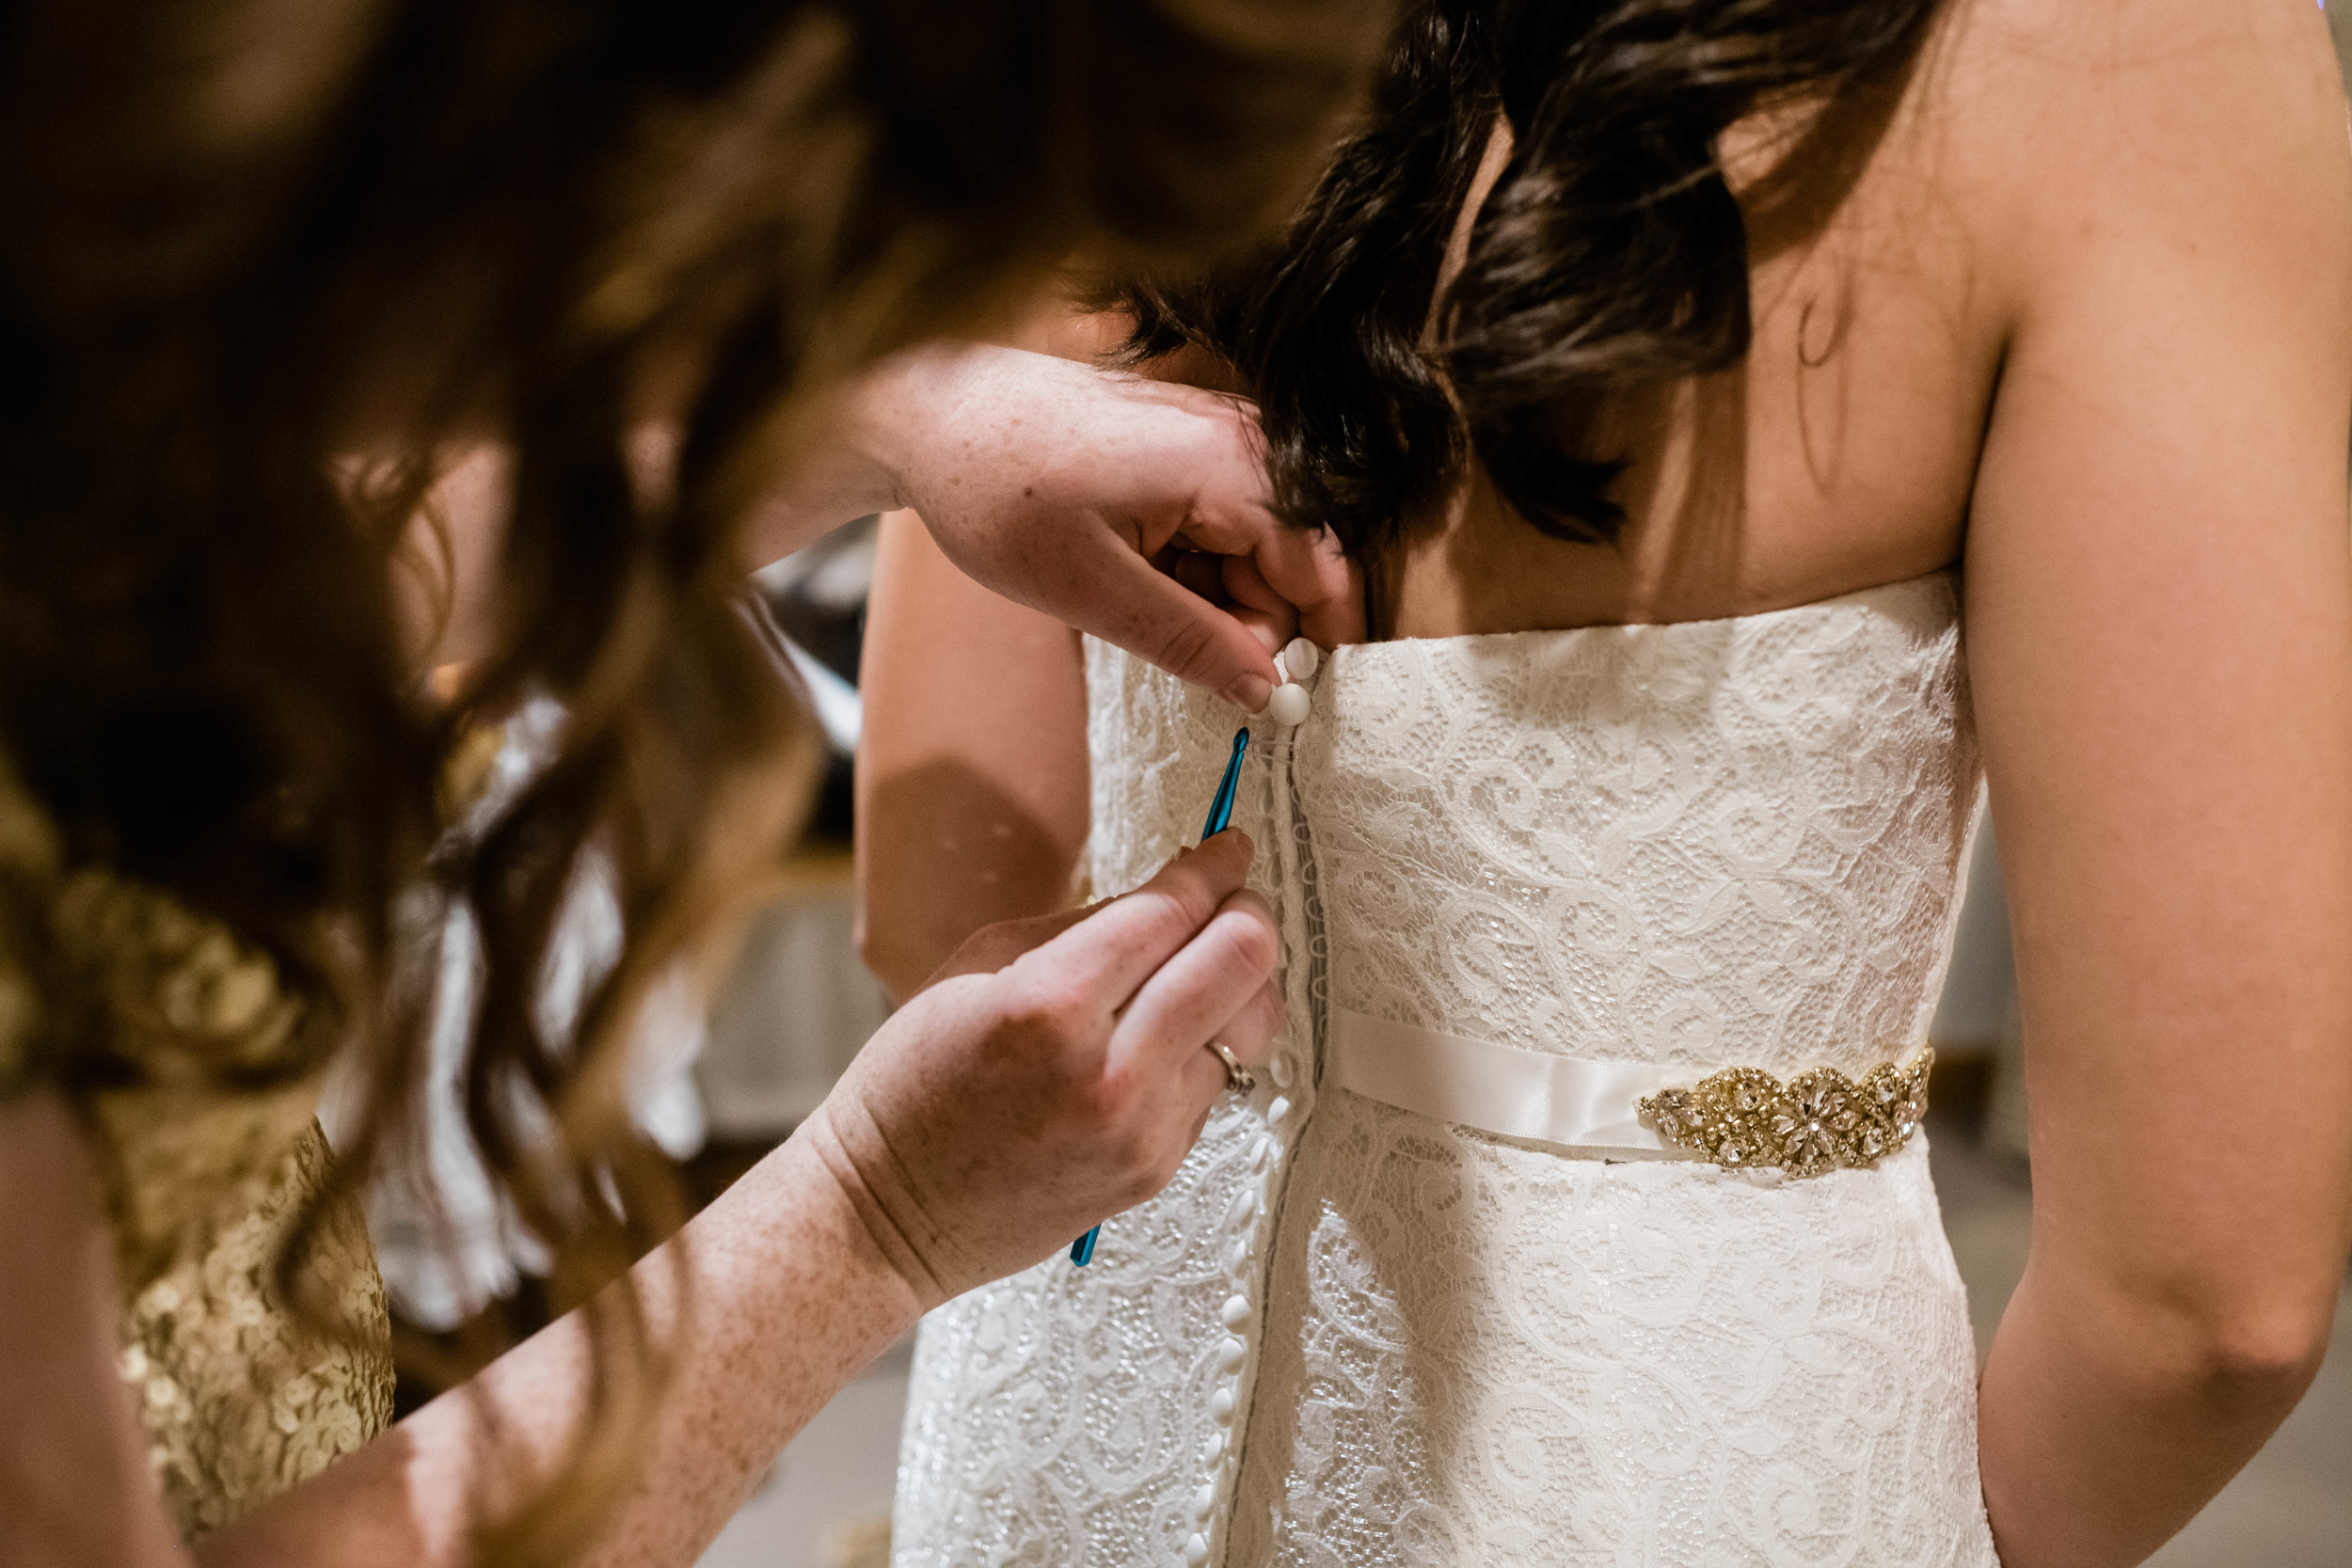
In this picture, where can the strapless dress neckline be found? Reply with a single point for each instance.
(1938, 583)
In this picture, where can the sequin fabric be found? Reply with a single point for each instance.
(239, 1399)
(1718, 845)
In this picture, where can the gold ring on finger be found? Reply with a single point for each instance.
(1237, 1078)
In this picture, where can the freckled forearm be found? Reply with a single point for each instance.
(785, 1298)
(790, 1298)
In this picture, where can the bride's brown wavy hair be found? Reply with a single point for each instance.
(234, 229)
(1610, 252)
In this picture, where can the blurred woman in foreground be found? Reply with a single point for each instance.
(267, 269)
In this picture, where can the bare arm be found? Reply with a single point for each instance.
(1057, 1073)
(1058, 486)
(74, 1487)
(972, 761)
(2159, 626)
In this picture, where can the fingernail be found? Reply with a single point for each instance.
(1249, 692)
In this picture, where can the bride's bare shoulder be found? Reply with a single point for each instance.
(2071, 122)
(2098, 66)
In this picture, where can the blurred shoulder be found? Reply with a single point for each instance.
(105, 979)
(28, 871)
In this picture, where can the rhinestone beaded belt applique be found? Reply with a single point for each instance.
(1818, 1120)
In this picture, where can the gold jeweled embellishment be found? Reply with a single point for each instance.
(1820, 1120)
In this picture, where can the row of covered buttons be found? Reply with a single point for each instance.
(1289, 707)
(1233, 1352)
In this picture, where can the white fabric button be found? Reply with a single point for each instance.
(1231, 1354)
(1280, 1068)
(1204, 1501)
(1236, 1312)
(1221, 1406)
(1289, 706)
(1280, 1108)
(1214, 1449)
(1260, 1147)
(1196, 1550)
(1301, 658)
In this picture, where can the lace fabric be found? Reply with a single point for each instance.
(1061, 1415)
(1494, 1356)
(1352, 1334)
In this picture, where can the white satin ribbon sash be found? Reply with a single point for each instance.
(1580, 1107)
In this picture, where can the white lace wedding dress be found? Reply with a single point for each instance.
(1355, 1334)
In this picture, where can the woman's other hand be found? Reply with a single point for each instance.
(1074, 490)
(1055, 1071)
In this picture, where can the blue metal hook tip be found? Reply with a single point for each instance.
(1222, 809)
(1220, 813)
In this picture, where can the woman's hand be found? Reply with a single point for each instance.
(1078, 492)
(1055, 1071)
(1051, 1074)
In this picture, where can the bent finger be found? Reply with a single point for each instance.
(1310, 572)
(1255, 604)
(1306, 568)
(1249, 1034)
(1201, 573)
(1136, 607)
(1181, 1105)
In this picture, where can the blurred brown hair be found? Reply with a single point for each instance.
(243, 236)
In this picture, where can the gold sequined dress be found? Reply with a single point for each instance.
(239, 1400)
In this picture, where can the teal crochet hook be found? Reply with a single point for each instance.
(1220, 813)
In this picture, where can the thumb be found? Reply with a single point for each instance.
(1155, 617)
